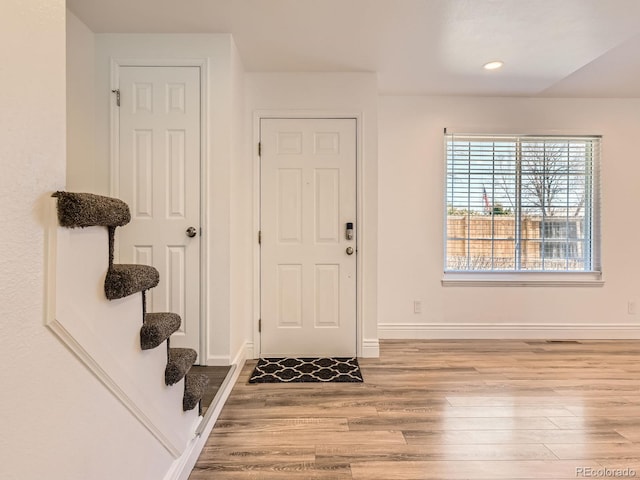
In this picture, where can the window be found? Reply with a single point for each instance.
(522, 204)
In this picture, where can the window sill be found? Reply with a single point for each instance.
(522, 279)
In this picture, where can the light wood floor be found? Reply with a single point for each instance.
(441, 410)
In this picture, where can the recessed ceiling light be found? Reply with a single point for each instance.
(493, 65)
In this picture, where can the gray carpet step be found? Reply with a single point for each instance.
(89, 210)
(124, 280)
(180, 361)
(157, 327)
(194, 385)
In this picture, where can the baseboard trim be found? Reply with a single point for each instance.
(508, 331)
(370, 348)
(182, 467)
(244, 352)
(218, 360)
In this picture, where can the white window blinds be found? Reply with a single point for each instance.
(522, 203)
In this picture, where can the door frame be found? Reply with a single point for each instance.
(260, 115)
(114, 165)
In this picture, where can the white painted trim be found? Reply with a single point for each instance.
(522, 279)
(50, 265)
(218, 360)
(242, 354)
(114, 134)
(258, 115)
(370, 348)
(183, 466)
(205, 194)
(515, 331)
(85, 357)
(521, 283)
(257, 306)
(249, 350)
(245, 351)
(515, 131)
(205, 201)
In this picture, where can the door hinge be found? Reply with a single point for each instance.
(117, 92)
(259, 325)
(259, 237)
(259, 149)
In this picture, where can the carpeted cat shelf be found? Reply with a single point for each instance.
(79, 210)
(87, 209)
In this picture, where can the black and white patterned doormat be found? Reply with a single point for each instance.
(293, 370)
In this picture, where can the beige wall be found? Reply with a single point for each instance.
(242, 235)
(306, 94)
(412, 216)
(216, 50)
(402, 148)
(81, 138)
(51, 404)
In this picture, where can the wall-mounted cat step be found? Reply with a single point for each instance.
(124, 280)
(89, 210)
(157, 327)
(180, 361)
(194, 385)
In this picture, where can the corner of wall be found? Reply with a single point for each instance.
(80, 58)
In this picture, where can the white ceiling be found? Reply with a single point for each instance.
(564, 48)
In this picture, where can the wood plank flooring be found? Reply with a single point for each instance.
(445, 410)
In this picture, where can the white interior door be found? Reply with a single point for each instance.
(308, 265)
(159, 177)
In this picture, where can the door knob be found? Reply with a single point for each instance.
(191, 232)
(349, 250)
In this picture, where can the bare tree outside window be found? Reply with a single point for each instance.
(553, 177)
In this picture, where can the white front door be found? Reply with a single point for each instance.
(159, 177)
(308, 265)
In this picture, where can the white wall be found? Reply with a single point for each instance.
(241, 269)
(340, 94)
(80, 105)
(411, 223)
(58, 421)
(217, 50)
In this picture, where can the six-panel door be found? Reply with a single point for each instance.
(159, 177)
(308, 276)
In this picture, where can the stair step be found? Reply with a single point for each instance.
(89, 210)
(194, 385)
(124, 280)
(157, 327)
(180, 361)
